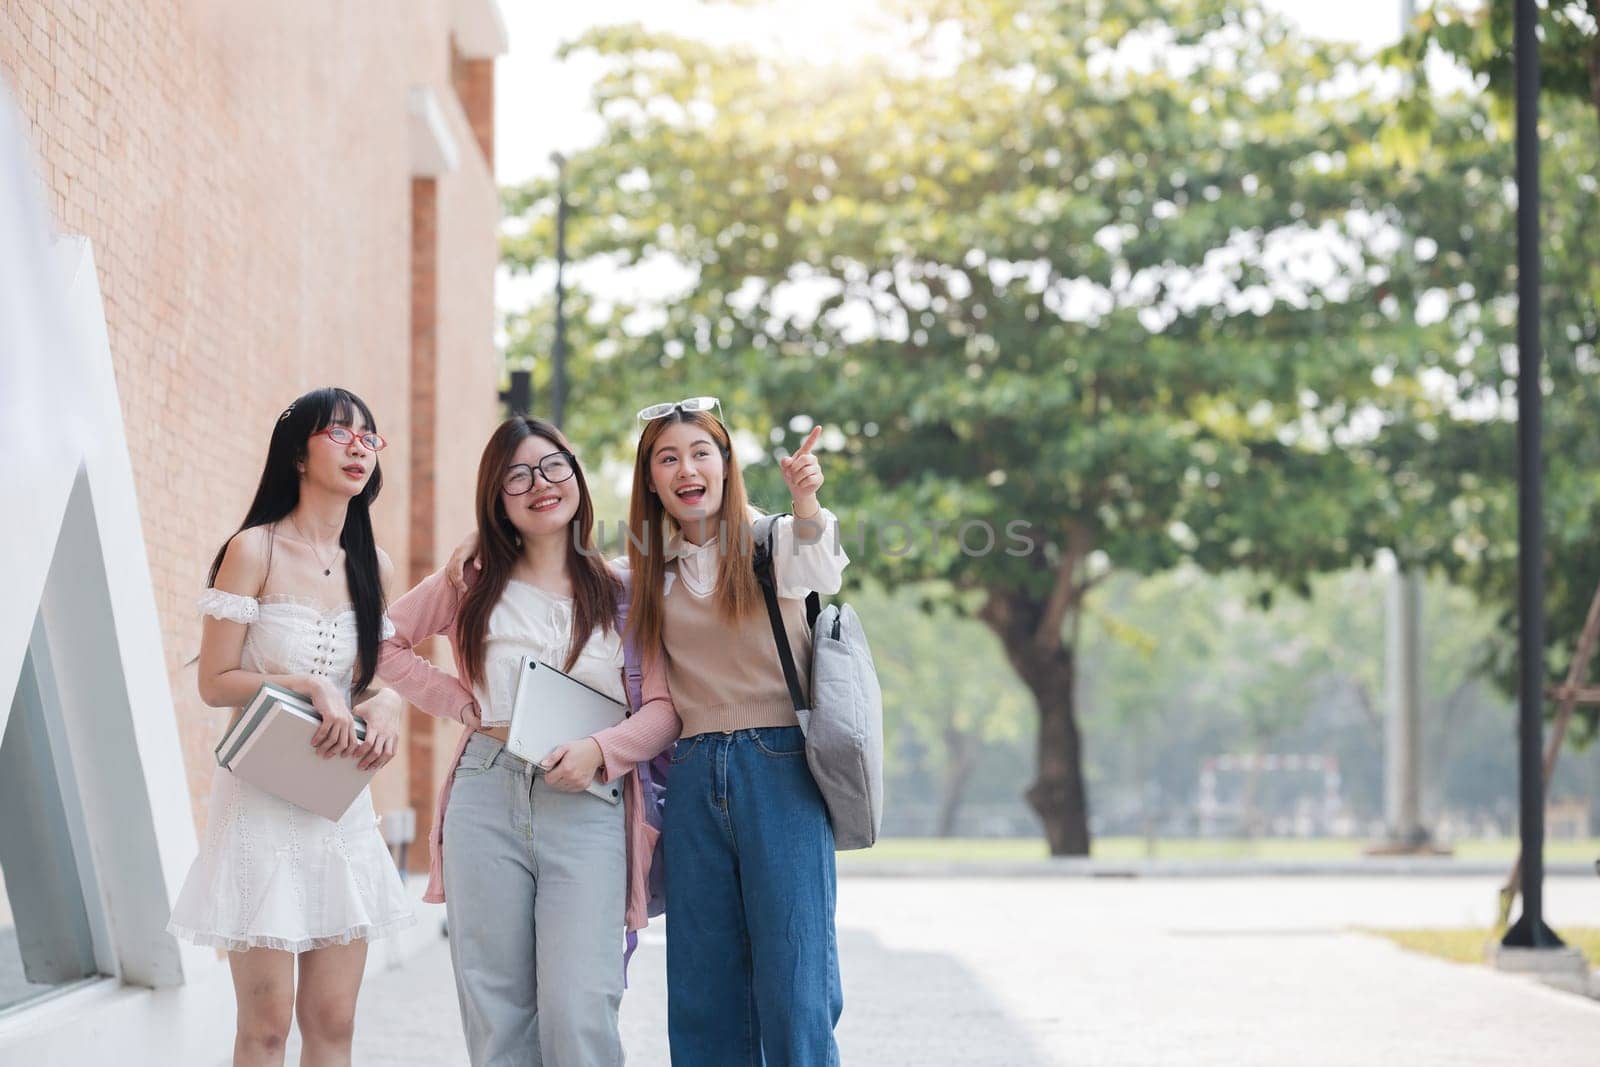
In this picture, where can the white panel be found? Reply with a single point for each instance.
(73, 557)
(479, 29)
(39, 423)
(433, 149)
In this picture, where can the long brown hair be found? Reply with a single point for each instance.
(737, 592)
(595, 587)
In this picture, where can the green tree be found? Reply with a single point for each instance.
(1123, 273)
(1182, 666)
(1187, 665)
(940, 688)
(1456, 448)
(1481, 37)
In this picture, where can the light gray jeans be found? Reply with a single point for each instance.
(535, 894)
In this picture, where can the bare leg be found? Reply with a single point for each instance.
(330, 978)
(263, 986)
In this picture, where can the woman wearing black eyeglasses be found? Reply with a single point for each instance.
(539, 877)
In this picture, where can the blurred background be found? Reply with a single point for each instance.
(1216, 297)
(1164, 352)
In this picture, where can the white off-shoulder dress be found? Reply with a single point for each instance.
(271, 874)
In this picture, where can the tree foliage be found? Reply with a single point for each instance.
(1143, 276)
(1456, 185)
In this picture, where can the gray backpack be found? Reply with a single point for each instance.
(843, 722)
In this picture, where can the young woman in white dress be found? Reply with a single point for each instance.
(296, 598)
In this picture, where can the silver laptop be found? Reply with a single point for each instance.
(552, 708)
(270, 747)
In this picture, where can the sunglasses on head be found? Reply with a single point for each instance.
(690, 406)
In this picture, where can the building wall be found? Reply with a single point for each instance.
(462, 364)
(244, 173)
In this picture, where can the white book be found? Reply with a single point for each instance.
(270, 747)
(551, 708)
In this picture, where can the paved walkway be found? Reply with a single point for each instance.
(1117, 972)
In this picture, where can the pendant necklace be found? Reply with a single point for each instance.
(327, 568)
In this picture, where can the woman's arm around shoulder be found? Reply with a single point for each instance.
(426, 611)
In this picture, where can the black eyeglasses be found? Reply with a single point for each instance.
(557, 467)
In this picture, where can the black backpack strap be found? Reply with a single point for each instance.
(761, 558)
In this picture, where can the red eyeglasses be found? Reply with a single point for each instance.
(372, 441)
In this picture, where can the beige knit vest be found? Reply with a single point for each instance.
(727, 678)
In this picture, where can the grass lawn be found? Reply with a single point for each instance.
(1560, 851)
(1011, 849)
(1469, 945)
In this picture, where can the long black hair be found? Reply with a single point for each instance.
(278, 493)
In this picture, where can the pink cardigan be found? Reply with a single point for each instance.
(430, 609)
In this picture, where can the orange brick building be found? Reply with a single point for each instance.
(277, 196)
(274, 204)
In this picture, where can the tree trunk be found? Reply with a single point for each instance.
(1049, 670)
(960, 757)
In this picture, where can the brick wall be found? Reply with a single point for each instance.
(243, 171)
(424, 356)
(474, 82)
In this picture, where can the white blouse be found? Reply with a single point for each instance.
(528, 621)
(288, 635)
(801, 567)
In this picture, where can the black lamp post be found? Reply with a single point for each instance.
(558, 351)
(519, 398)
(1530, 930)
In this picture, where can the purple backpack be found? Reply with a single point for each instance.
(652, 772)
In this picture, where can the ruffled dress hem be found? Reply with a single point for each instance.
(243, 942)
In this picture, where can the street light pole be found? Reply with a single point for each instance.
(518, 399)
(1529, 931)
(558, 351)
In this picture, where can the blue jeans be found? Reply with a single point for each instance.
(752, 959)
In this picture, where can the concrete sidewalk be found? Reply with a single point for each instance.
(1160, 972)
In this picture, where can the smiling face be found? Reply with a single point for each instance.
(343, 469)
(547, 506)
(687, 472)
